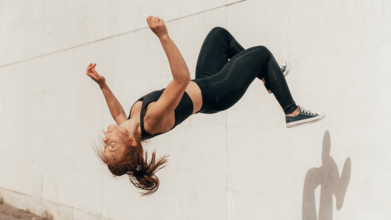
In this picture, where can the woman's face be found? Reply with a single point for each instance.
(114, 144)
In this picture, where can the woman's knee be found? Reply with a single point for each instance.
(218, 30)
(262, 50)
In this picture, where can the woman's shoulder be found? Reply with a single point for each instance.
(153, 124)
(139, 110)
(149, 118)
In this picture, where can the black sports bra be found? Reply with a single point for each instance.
(182, 111)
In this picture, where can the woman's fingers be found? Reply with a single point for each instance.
(88, 67)
(157, 26)
(91, 67)
(149, 19)
(153, 21)
(91, 70)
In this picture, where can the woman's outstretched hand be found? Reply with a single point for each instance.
(91, 72)
(157, 25)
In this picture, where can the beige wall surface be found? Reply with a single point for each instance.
(239, 164)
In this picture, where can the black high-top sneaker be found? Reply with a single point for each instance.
(285, 68)
(304, 117)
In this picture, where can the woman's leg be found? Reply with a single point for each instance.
(274, 77)
(219, 46)
(223, 83)
(230, 84)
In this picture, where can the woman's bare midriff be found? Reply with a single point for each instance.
(194, 92)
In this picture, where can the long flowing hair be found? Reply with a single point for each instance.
(141, 173)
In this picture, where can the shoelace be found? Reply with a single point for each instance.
(302, 109)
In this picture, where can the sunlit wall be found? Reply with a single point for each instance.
(239, 164)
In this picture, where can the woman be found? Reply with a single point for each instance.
(218, 85)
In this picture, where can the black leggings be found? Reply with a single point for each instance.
(223, 82)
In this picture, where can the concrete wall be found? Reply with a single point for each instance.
(238, 164)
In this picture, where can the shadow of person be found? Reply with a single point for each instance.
(327, 176)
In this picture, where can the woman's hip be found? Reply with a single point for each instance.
(207, 96)
(216, 98)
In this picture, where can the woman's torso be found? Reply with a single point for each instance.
(195, 95)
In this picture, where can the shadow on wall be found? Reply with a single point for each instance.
(327, 176)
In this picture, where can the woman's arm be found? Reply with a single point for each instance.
(115, 107)
(116, 110)
(173, 93)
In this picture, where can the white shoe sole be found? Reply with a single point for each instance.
(306, 121)
(288, 68)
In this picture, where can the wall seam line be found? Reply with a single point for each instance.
(106, 38)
